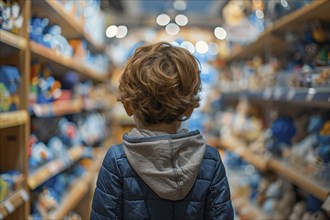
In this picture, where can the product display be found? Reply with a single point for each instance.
(264, 101)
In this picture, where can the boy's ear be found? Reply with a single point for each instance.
(188, 112)
(128, 108)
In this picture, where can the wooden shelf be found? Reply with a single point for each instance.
(77, 191)
(318, 9)
(54, 167)
(57, 108)
(13, 40)
(242, 150)
(71, 26)
(67, 62)
(11, 119)
(299, 179)
(13, 202)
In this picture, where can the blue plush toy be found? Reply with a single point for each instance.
(9, 83)
(282, 131)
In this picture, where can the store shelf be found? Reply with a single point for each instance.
(67, 62)
(299, 179)
(247, 209)
(241, 149)
(13, 40)
(11, 119)
(314, 97)
(71, 26)
(54, 167)
(13, 202)
(57, 108)
(318, 9)
(77, 191)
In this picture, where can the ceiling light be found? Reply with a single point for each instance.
(188, 45)
(181, 20)
(172, 29)
(220, 33)
(175, 44)
(260, 14)
(111, 31)
(284, 3)
(122, 31)
(180, 5)
(201, 47)
(163, 19)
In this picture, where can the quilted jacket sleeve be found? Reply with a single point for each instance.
(107, 201)
(218, 204)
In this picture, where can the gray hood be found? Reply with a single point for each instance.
(167, 163)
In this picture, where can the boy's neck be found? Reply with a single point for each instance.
(163, 127)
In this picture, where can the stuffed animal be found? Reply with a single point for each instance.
(39, 153)
(9, 83)
(57, 147)
(68, 133)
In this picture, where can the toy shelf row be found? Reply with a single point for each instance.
(318, 9)
(79, 188)
(264, 162)
(65, 107)
(72, 27)
(48, 54)
(315, 97)
(11, 119)
(13, 202)
(54, 167)
(67, 62)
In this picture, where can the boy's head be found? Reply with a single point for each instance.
(160, 84)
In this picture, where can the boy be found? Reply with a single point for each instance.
(161, 171)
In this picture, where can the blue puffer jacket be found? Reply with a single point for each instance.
(130, 188)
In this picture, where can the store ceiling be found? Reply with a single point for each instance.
(143, 12)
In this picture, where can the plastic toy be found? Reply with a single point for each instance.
(57, 147)
(9, 82)
(40, 154)
(68, 133)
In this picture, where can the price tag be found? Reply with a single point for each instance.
(10, 208)
(326, 204)
(310, 96)
(267, 93)
(291, 94)
(277, 93)
(25, 196)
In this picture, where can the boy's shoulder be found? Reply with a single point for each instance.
(211, 153)
(116, 151)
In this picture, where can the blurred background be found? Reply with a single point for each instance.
(265, 99)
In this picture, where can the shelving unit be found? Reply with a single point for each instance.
(238, 147)
(51, 56)
(13, 40)
(77, 191)
(13, 202)
(301, 180)
(18, 50)
(248, 210)
(318, 9)
(12, 119)
(71, 27)
(54, 167)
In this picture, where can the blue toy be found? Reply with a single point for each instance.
(68, 132)
(282, 131)
(57, 147)
(9, 83)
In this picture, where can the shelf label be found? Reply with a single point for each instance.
(326, 204)
(10, 208)
(267, 93)
(24, 195)
(291, 94)
(277, 93)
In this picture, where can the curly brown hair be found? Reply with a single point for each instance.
(160, 82)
